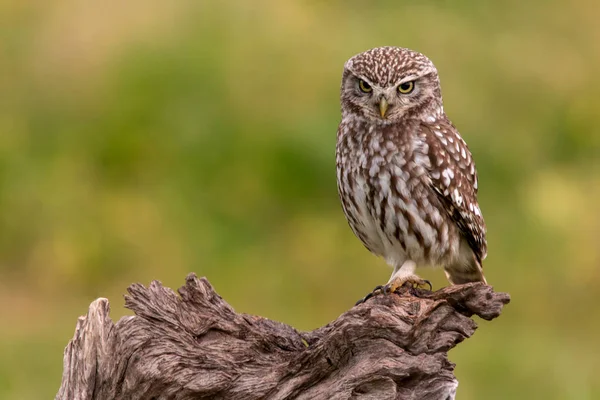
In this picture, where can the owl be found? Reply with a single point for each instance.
(406, 178)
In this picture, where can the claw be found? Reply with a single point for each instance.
(428, 283)
(378, 288)
(414, 285)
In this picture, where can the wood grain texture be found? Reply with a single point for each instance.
(193, 345)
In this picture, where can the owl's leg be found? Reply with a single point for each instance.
(402, 275)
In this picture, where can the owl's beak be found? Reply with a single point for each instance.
(383, 106)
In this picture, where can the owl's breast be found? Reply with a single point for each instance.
(386, 198)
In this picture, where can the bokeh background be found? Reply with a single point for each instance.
(142, 140)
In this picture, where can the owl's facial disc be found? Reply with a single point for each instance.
(389, 84)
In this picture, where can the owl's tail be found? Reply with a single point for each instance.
(464, 273)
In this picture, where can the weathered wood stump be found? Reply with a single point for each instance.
(195, 346)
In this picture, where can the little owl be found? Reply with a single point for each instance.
(406, 179)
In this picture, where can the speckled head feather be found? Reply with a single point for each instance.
(387, 66)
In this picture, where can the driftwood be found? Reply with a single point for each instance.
(195, 346)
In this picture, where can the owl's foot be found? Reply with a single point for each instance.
(412, 281)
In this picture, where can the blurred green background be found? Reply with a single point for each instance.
(144, 140)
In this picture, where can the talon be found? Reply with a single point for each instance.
(413, 286)
(378, 288)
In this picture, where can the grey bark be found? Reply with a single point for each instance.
(195, 346)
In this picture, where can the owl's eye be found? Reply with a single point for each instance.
(364, 86)
(406, 87)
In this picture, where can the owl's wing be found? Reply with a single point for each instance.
(454, 179)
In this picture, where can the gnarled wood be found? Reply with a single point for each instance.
(195, 346)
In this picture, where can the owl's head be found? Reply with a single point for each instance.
(388, 84)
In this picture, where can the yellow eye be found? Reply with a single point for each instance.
(364, 86)
(406, 87)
